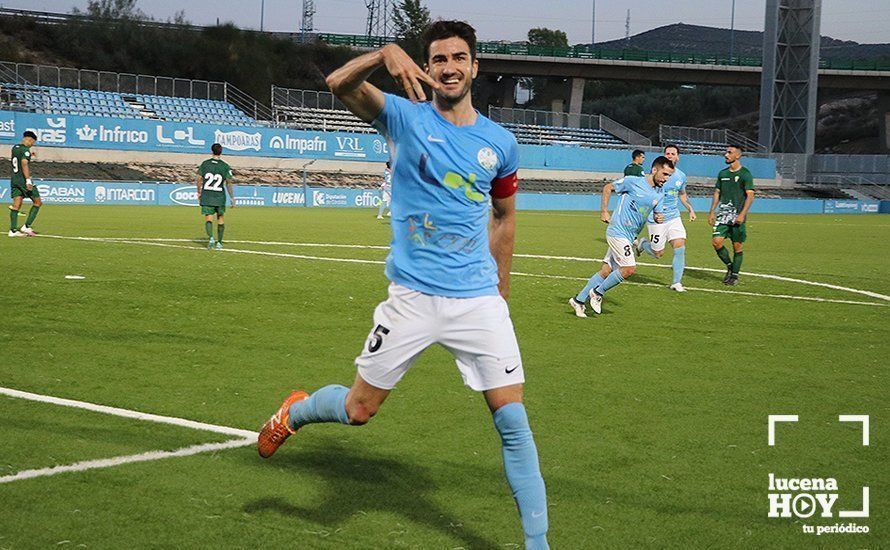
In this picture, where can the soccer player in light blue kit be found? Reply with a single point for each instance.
(672, 230)
(449, 272)
(640, 197)
(385, 191)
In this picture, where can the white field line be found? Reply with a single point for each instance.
(244, 437)
(127, 413)
(153, 242)
(128, 459)
(718, 291)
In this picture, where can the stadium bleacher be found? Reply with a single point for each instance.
(72, 101)
(326, 120)
(560, 135)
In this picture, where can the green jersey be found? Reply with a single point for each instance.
(214, 172)
(732, 187)
(633, 169)
(19, 153)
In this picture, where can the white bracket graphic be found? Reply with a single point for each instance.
(863, 418)
(771, 423)
(857, 513)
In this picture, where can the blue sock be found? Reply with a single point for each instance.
(523, 473)
(594, 282)
(646, 246)
(327, 404)
(679, 263)
(613, 279)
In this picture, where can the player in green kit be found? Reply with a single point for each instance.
(733, 197)
(635, 168)
(212, 173)
(21, 186)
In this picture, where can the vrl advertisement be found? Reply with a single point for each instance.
(176, 137)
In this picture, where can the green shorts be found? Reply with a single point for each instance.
(17, 191)
(735, 232)
(211, 210)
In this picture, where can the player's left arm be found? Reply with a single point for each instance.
(749, 200)
(26, 171)
(501, 239)
(230, 190)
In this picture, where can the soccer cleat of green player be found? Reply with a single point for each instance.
(211, 243)
(218, 245)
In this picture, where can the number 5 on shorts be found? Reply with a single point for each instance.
(377, 339)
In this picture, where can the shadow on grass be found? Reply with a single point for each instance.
(359, 483)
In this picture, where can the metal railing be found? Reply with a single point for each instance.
(559, 119)
(312, 99)
(133, 84)
(707, 137)
(587, 52)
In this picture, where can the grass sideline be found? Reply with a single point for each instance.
(650, 420)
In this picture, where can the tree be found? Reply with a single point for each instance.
(548, 37)
(411, 18)
(113, 9)
(542, 36)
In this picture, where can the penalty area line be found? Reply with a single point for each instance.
(127, 459)
(244, 437)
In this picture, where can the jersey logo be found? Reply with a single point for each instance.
(452, 180)
(487, 158)
(432, 139)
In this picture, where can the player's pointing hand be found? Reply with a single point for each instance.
(406, 72)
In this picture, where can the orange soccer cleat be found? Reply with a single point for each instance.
(277, 429)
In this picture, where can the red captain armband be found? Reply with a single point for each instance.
(505, 187)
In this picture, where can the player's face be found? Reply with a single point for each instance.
(640, 159)
(732, 154)
(451, 65)
(672, 155)
(29, 141)
(660, 174)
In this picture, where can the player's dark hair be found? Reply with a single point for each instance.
(737, 147)
(637, 154)
(216, 149)
(30, 134)
(440, 30)
(662, 161)
(671, 146)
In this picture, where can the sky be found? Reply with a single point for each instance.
(864, 21)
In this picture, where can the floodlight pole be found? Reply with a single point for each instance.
(593, 24)
(262, 13)
(732, 32)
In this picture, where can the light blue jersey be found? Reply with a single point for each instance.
(638, 200)
(386, 186)
(672, 189)
(442, 178)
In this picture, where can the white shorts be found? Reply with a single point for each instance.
(620, 253)
(662, 233)
(477, 331)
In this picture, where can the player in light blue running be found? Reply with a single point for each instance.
(385, 191)
(672, 230)
(453, 223)
(640, 196)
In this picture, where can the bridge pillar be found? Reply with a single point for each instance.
(884, 120)
(576, 98)
(509, 92)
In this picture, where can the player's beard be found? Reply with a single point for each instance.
(452, 100)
